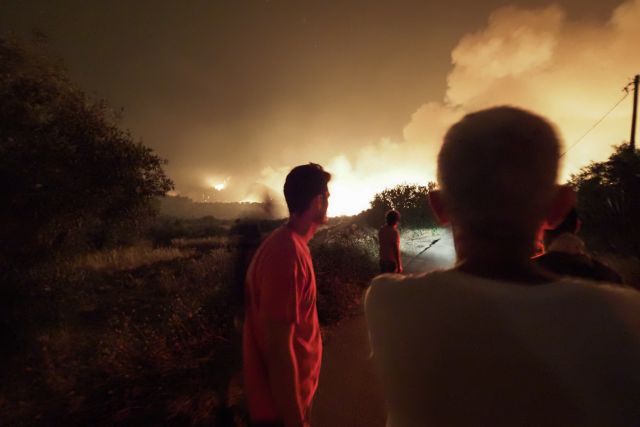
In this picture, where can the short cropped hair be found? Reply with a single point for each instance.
(303, 183)
(570, 224)
(497, 169)
(392, 217)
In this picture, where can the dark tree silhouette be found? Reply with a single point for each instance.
(71, 177)
(410, 200)
(609, 201)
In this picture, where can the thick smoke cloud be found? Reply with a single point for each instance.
(571, 72)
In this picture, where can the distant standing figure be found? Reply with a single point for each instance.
(389, 239)
(282, 347)
(567, 255)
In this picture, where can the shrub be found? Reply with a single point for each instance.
(412, 201)
(165, 229)
(148, 346)
(344, 263)
(72, 178)
(609, 202)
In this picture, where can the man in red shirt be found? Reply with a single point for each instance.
(282, 348)
(389, 240)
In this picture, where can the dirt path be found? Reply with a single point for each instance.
(349, 394)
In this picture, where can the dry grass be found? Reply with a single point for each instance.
(144, 336)
(129, 258)
(345, 260)
(137, 336)
(212, 242)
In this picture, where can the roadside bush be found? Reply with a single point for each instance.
(152, 345)
(412, 201)
(72, 178)
(165, 229)
(344, 264)
(609, 202)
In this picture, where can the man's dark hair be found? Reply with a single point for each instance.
(303, 183)
(570, 224)
(392, 217)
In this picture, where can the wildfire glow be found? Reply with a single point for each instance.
(353, 185)
(351, 194)
(216, 184)
(571, 72)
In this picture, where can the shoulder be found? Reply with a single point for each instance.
(563, 263)
(280, 239)
(579, 265)
(621, 299)
(607, 272)
(612, 291)
(387, 288)
(568, 242)
(554, 257)
(279, 247)
(384, 283)
(622, 302)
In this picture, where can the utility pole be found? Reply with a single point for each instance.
(632, 143)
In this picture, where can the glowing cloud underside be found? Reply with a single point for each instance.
(571, 72)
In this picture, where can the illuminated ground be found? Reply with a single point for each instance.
(440, 255)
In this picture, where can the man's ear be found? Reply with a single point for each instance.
(563, 201)
(318, 202)
(437, 206)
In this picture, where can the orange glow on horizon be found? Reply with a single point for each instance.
(217, 184)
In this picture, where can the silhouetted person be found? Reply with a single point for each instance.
(389, 240)
(567, 255)
(282, 344)
(496, 341)
(248, 234)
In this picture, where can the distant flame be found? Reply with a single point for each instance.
(218, 185)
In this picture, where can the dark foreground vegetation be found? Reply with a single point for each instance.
(150, 335)
(609, 202)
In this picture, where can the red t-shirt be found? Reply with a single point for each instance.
(389, 239)
(280, 286)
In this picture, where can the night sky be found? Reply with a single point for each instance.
(238, 92)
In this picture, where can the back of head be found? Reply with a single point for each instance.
(497, 169)
(302, 184)
(392, 217)
(570, 224)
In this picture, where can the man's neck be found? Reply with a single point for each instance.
(499, 260)
(302, 226)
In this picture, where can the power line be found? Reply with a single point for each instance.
(626, 93)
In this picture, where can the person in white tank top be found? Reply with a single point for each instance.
(496, 341)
